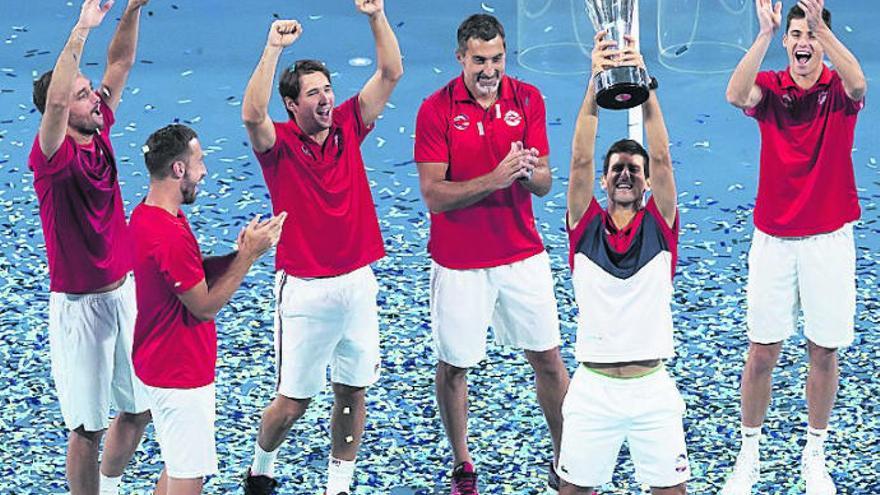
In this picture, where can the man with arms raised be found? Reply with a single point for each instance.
(623, 260)
(482, 152)
(92, 304)
(178, 296)
(803, 253)
(326, 309)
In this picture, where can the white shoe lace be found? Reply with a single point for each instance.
(746, 473)
(816, 475)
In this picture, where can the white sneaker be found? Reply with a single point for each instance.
(745, 474)
(815, 473)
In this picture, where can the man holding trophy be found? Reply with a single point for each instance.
(623, 260)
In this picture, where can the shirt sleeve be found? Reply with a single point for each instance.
(349, 115)
(765, 81)
(852, 106)
(273, 155)
(536, 123)
(431, 144)
(61, 160)
(180, 262)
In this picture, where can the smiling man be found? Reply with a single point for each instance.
(803, 252)
(92, 301)
(326, 312)
(622, 259)
(482, 152)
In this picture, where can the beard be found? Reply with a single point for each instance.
(188, 190)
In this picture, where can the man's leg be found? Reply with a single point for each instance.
(672, 490)
(82, 461)
(757, 380)
(122, 440)
(551, 384)
(566, 488)
(347, 429)
(452, 400)
(175, 486)
(277, 420)
(822, 383)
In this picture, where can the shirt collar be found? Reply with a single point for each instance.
(824, 78)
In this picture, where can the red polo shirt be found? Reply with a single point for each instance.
(81, 210)
(452, 128)
(331, 227)
(806, 184)
(172, 348)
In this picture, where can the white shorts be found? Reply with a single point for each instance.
(517, 300)
(90, 337)
(326, 321)
(600, 412)
(184, 424)
(816, 274)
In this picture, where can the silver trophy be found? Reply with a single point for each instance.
(619, 87)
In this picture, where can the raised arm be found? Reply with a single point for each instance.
(53, 126)
(742, 92)
(582, 174)
(209, 296)
(121, 54)
(389, 63)
(844, 61)
(662, 180)
(255, 105)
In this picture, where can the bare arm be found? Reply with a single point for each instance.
(121, 54)
(389, 63)
(255, 105)
(661, 174)
(204, 300)
(844, 61)
(582, 175)
(742, 92)
(443, 195)
(53, 126)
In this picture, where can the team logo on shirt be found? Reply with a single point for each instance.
(512, 118)
(822, 97)
(306, 151)
(461, 122)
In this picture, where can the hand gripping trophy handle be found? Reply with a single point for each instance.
(619, 87)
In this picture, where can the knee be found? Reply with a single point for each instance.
(680, 489)
(547, 363)
(822, 358)
(762, 358)
(449, 373)
(90, 438)
(138, 420)
(291, 410)
(346, 394)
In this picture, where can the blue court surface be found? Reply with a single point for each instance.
(194, 60)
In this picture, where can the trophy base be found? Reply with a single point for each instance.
(622, 87)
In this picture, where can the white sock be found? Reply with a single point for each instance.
(108, 485)
(264, 462)
(750, 438)
(815, 439)
(339, 475)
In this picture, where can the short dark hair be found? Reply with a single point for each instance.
(480, 26)
(165, 146)
(289, 84)
(41, 89)
(796, 12)
(626, 146)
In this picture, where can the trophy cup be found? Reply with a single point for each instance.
(619, 87)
